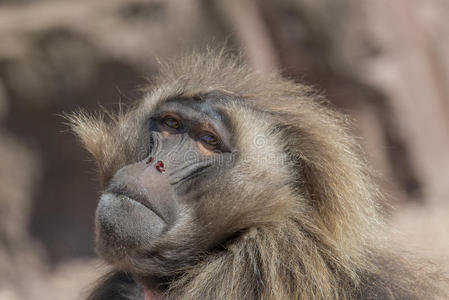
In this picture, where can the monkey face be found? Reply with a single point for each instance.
(171, 206)
(188, 142)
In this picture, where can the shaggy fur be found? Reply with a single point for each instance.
(316, 237)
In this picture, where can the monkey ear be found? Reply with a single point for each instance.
(95, 134)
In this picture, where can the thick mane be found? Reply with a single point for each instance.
(326, 247)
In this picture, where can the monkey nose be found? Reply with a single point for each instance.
(159, 164)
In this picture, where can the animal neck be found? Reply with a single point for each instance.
(270, 263)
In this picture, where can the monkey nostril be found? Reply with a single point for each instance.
(160, 166)
(150, 160)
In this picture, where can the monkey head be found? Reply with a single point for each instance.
(217, 160)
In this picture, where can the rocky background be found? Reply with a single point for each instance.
(385, 63)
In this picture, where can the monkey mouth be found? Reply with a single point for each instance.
(117, 230)
(139, 198)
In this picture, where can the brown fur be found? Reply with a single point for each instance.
(314, 239)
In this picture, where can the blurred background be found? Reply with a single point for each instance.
(385, 63)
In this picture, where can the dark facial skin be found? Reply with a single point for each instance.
(148, 202)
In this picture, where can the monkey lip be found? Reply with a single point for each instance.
(123, 192)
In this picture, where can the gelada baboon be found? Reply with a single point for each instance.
(223, 183)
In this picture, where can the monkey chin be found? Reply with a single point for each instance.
(123, 225)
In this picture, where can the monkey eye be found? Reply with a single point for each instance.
(171, 122)
(209, 140)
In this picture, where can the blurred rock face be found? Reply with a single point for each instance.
(21, 257)
(17, 183)
(57, 61)
(3, 101)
